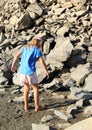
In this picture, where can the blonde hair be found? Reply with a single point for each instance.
(36, 41)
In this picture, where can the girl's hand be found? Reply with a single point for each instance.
(13, 68)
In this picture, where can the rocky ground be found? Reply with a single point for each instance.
(65, 27)
(13, 117)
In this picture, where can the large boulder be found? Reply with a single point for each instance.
(60, 53)
(78, 2)
(35, 8)
(24, 22)
(85, 124)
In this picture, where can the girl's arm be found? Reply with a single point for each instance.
(13, 67)
(44, 66)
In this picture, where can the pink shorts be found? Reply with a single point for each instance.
(30, 79)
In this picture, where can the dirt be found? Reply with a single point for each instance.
(13, 117)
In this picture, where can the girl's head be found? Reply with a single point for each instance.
(36, 41)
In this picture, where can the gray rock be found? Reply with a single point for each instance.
(78, 56)
(70, 82)
(88, 111)
(61, 115)
(82, 102)
(61, 31)
(41, 127)
(18, 99)
(47, 118)
(63, 125)
(2, 37)
(2, 28)
(64, 51)
(3, 80)
(85, 124)
(1, 94)
(89, 57)
(53, 86)
(81, 73)
(32, 1)
(35, 8)
(78, 2)
(13, 20)
(79, 93)
(72, 109)
(16, 91)
(88, 83)
(24, 22)
(16, 79)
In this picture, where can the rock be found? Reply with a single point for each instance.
(35, 8)
(88, 83)
(32, 1)
(67, 5)
(18, 99)
(58, 11)
(16, 79)
(3, 80)
(13, 20)
(69, 82)
(89, 57)
(85, 124)
(2, 37)
(57, 96)
(40, 72)
(63, 125)
(83, 70)
(78, 56)
(61, 31)
(82, 102)
(65, 28)
(72, 109)
(47, 45)
(2, 29)
(79, 93)
(88, 111)
(78, 2)
(1, 95)
(64, 51)
(53, 86)
(41, 127)
(16, 91)
(24, 22)
(39, 21)
(47, 118)
(61, 115)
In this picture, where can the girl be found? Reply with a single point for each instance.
(27, 70)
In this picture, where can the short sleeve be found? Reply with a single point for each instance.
(22, 48)
(38, 53)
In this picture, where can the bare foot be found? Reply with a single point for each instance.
(37, 109)
(26, 108)
(40, 108)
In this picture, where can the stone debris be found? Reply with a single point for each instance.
(47, 118)
(66, 30)
(62, 115)
(41, 126)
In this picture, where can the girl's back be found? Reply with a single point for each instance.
(28, 59)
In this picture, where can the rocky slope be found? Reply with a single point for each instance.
(66, 29)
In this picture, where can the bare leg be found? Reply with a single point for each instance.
(36, 96)
(26, 92)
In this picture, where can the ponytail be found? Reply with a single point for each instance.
(36, 41)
